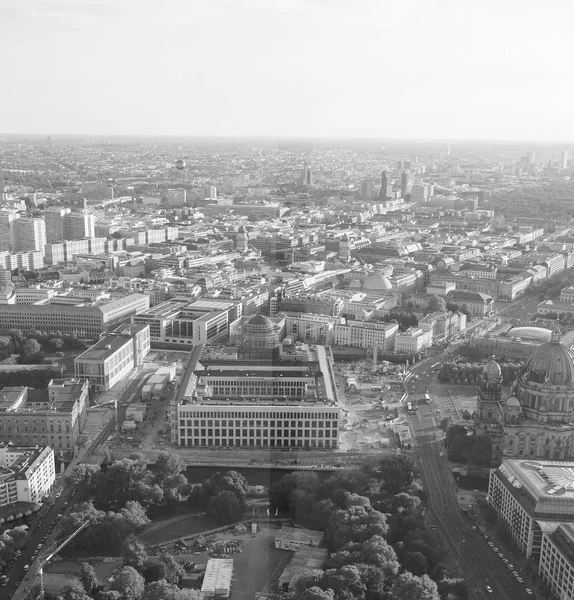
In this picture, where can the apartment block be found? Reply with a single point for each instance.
(26, 474)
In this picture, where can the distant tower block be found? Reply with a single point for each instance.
(307, 175)
(2, 185)
(447, 150)
(564, 159)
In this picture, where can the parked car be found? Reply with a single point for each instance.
(489, 589)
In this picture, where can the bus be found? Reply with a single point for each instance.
(376, 388)
(435, 365)
(410, 407)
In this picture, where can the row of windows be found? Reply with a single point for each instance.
(251, 423)
(261, 443)
(275, 390)
(260, 382)
(273, 433)
(207, 414)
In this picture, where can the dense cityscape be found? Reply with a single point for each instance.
(286, 300)
(178, 314)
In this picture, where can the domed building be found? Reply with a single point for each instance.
(538, 419)
(376, 283)
(260, 332)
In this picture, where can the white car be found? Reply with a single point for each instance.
(528, 591)
(489, 589)
(520, 580)
(515, 573)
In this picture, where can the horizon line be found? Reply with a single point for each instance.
(272, 137)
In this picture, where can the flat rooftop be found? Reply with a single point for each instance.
(104, 348)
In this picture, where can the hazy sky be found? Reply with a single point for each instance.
(474, 69)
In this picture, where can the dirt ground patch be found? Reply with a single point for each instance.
(259, 565)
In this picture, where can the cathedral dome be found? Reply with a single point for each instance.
(355, 284)
(551, 363)
(261, 321)
(377, 282)
(512, 402)
(492, 370)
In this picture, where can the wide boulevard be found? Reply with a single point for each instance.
(476, 561)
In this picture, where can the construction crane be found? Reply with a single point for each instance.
(43, 560)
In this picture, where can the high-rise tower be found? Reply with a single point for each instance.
(55, 230)
(2, 185)
(406, 183)
(386, 187)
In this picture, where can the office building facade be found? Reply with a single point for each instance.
(290, 403)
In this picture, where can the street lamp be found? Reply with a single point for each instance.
(458, 553)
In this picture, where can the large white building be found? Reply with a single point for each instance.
(366, 334)
(532, 497)
(287, 403)
(311, 328)
(412, 340)
(113, 357)
(85, 319)
(186, 323)
(26, 474)
(556, 565)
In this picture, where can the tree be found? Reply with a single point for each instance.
(444, 424)
(85, 479)
(162, 590)
(230, 481)
(129, 583)
(395, 474)
(135, 515)
(226, 507)
(355, 524)
(5, 346)
(415, 562)
(410, 587)
(134, 553)
(74, 591)
(109, 595)
(454, 431)
(315, 593)
(436, 304)
(306, 579)
(88, 578)
(480, 452)
(31, 347)
(344, 581)
(166, 465)
(57, 343)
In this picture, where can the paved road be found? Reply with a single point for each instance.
(477, 562)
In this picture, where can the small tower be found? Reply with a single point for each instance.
(489, 392)
(241, 241)
(345, 249)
